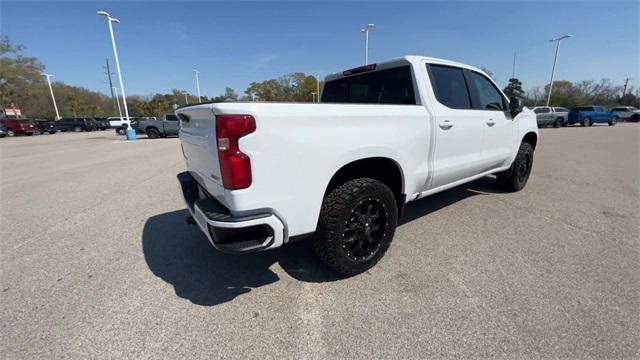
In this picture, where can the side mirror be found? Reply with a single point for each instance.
(515, 106)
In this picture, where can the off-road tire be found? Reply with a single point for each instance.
(613, 121)
(586, 122)
(516, 177)
(153, 133)
(338, 208)
(557, 123)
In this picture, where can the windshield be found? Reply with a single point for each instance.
(391, 86)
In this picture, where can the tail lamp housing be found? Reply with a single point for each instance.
(235, 166)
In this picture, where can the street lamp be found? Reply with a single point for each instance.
(197, 84)
(131, 134)
(365, 30)
(115, 91)
(555, 60)
(313, 97)
(186, 98)
(318, 85)
(55, 106)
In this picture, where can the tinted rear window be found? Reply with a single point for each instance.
(583, 108)
(391, 86)
(450, 87)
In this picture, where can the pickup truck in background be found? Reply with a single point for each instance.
(260, 175)
(547, 115)
(589, 115)
(169, 125)
(628, 113)
(21, 127)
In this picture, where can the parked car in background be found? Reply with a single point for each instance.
(547, 115)
(21, 127)
(589, 115)
(169, 125)
(46, 126)
(260, 175)
(102, 123)
(119, 124)
(628, 113)
(75, 124)
(3, 129)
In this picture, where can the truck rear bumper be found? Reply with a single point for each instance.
(228, 232)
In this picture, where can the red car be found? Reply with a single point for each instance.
(21, 126)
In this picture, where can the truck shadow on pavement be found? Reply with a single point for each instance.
(182, 256)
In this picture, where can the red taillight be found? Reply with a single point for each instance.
(235, 166)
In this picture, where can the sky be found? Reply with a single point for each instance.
(235, 43)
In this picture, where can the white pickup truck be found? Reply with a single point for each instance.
(260, 175)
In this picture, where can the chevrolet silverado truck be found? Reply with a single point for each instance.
(339, 173)
(589, 115)
(547, 115)
(153, 128)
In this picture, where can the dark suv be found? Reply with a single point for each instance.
(46, 126)
(76, 124)
(3, 129)
(102, 123)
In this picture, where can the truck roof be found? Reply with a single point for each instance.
(413, 59)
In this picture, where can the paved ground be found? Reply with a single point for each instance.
(97, 261)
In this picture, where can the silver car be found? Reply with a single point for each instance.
(627, 113)
(547, 115)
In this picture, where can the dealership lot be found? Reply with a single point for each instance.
(97, 261)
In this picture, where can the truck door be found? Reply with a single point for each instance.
(171, 124)
(499, 134)
(458, 139)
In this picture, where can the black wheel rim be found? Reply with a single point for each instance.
(522, 171)
(365, 229)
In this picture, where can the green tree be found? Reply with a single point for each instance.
(291, 87)
(17, 73)
(514, 88)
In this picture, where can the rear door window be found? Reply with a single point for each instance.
(450, 86)
(487, 96)
(390, 86)
(541, 110)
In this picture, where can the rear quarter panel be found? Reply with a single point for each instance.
(297, 148)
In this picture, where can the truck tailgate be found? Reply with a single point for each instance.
(198, 140)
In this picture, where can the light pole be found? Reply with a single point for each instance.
(55, 106)
(365, 30)
(313, 97)
(186, 99)
(318, 85)
(626, 82)
(555, 60)
(115, 91)
(131, 134)
(197, 83)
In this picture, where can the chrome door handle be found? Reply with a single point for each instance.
(490, 122)
(445, 125)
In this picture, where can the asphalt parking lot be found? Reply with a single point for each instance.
(97, 261)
